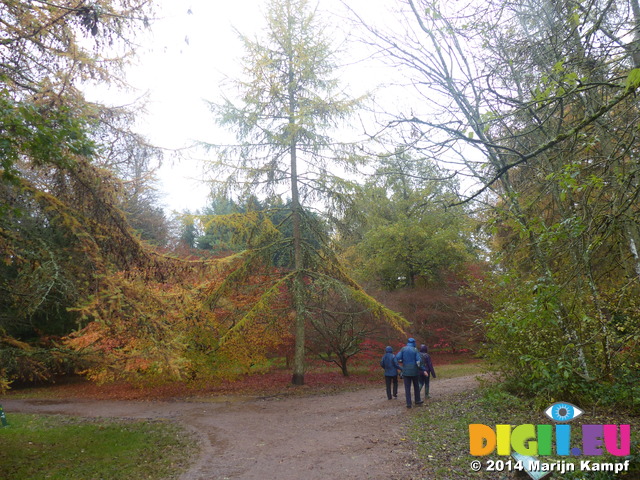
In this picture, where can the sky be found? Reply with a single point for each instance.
(183, 61)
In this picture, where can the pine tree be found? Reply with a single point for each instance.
(288, 104)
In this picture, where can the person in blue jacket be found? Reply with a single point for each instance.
(427, 370)
(409, 357)
(391, 367)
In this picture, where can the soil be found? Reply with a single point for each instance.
(349, 435)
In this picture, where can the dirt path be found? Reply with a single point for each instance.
(352, 435)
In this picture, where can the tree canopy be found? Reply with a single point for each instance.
(516, 142)
(400, 229)
(536, 101)
(288, 102)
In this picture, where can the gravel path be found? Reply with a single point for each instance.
(350, 435)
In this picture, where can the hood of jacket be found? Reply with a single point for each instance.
(388, 350)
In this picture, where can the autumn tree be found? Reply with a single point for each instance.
(49, 133)
(534, 101)
(60, 222)
(339, 325)
(400, 227)
(287, 105)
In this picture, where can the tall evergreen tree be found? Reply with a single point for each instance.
(288, 103)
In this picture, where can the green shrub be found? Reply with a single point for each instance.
(545, 352)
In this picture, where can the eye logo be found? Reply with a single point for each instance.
(563, 412)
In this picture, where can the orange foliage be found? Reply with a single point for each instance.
(276, 382)
(139, 326)
(441, 314)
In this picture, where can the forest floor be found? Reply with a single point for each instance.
(356, 434)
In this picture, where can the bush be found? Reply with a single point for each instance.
(24, 363)
(546, 353)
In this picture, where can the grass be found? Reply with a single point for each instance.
(440, 431)
(453, 370)
(68, 448)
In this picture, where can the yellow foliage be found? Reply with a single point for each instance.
(5, 384)
(12, 342)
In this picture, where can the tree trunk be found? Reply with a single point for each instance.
(296, 218)
(635, 45)
(298, 290)
(634, 252)
(343, 366)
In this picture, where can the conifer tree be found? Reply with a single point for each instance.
(287, 105)
(62, 228)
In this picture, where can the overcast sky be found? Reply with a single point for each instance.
(190, 50)
(182, 62)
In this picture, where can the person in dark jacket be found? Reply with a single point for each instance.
(391, 367)
(409, 357)
(427, 370)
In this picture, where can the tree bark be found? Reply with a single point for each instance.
(296, 218)
(635, 48)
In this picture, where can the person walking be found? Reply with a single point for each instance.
(426, 370)
(391, 367)
(409, 357)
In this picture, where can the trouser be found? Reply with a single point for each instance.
(408, 381)
(388, 380)
(424, 380)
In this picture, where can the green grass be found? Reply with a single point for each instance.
(440, 431)
(67, 448)
(453, 370)
(370, 369)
